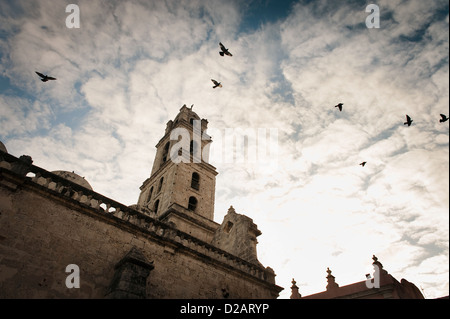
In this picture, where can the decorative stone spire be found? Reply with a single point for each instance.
(380, 265)
(376, 262)
(231, 210)
(331, 282)
(295, 294)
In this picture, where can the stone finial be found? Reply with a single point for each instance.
(269, 275)
(231, 210)
(295, 294)
(376, 262)
(331, 280)
(380, 265)
(23, 165)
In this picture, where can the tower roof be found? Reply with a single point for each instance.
(187, 117)
(186, 113)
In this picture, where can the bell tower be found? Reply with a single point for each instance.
(181, 186)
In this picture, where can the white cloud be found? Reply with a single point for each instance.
(132, 65)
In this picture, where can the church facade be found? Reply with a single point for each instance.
(61, 239)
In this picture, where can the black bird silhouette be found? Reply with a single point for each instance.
(408, 120)
(224, 50)
(339, 106)
(216, 84)
(363, 163)
(443, 118)
(45, 78)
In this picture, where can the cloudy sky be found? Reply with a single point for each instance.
(131, 65)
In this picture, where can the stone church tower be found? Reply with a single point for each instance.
(182, 183)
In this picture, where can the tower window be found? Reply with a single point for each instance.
(150, 194)
(155, 207)
(180, 150)
(228, 227)
(192, 203)
(191, 147)
(160, 184)
(195, 181)
(194, 150)
(165, 152)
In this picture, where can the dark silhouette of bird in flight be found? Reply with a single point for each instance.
(408, 120)
(45, 78)
(216, 84)
(362, 164)
(224, 50)
(339, 106)
(443, 118)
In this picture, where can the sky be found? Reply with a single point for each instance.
(131, 65)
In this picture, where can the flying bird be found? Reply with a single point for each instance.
(216, 84)
(363, 163)
(224, 50)
(443, 118)
(408, 120)
(339, 106)
(45, 78)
